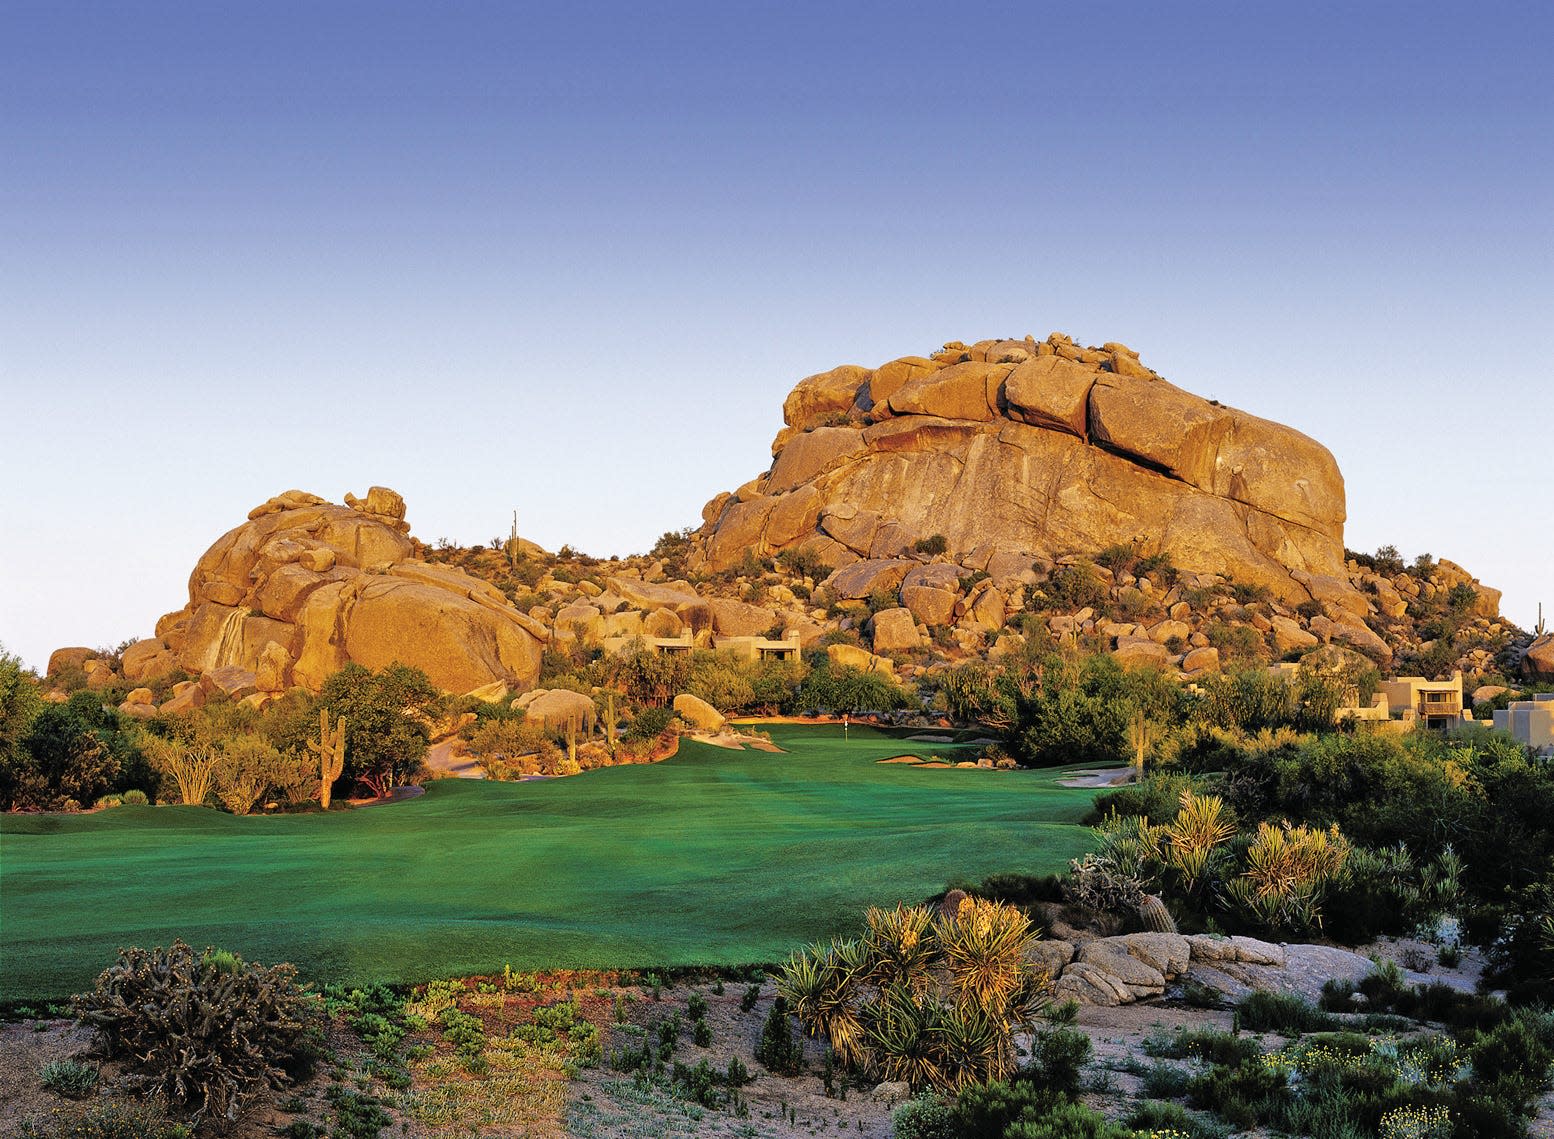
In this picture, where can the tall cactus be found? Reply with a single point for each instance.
(330, 749)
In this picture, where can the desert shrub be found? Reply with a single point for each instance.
(1058, 1055)
(1166, 1081)
(1157, 1118)
(1206, 1043)
(357, 1114)
(1265, 1011)
(933, 545)
(1511, 1061)
(925, 1116)
(649, 723)
(989, 1111)
(1156, 799)
(1076, 587)
(748, 998)
(134, 797)
(199, 1033)
(801, 562)
(777, 1050)
(1068, 1121)
(69, 1078)
(1241, 1095)
(144, 1120)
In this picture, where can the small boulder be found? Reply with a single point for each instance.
(895, 630)
(698, 713)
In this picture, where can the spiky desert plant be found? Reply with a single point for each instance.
(1191, 837)
(900, 946)
(970, 1047)
(822, 987)
(204, 1029)
(330, 749)
(983, 948)
(1288, 869)
(903, 1030)
(1154, 915)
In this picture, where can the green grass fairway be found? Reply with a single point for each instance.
(713, 857)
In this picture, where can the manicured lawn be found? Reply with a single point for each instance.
(713, 857)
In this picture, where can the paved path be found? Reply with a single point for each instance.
(443, 758)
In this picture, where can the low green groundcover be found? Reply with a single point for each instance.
(712, 857)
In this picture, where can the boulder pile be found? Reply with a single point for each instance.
(1039, 449)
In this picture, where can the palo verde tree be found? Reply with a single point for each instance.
(387, 715)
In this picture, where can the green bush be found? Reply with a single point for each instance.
(1204, 1043)
(1068, 1121)
(134, 797)
(933, 545)
(777, 1050)
(649, 723)
(1155, 1116)
(988, 1111)
(1241, 1095)
(1057, 1057)
(69, 1078)
(204, 1036)
(1282, 1012)
(925, 1116)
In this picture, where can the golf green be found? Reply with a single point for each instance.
(712, 857)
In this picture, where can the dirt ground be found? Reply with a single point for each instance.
(539, 1099)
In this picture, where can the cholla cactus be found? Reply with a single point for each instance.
(330, 749)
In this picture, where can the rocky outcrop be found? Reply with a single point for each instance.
(305, 587)
(1538, 663)
(1039, 449)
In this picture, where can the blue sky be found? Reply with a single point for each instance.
(569, 259)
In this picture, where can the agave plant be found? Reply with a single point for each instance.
(900, 947)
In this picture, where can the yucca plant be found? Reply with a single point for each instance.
(899, 946)
(1288, 871)
(983, 947)
(903, 1030)
(1198, 828)
(971, 1048)
(822, 987)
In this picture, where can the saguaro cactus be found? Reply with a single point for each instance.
(330, 749)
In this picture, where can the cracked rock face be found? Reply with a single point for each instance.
(1041, 448)
(305, 587)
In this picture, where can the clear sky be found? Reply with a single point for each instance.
(569, 257)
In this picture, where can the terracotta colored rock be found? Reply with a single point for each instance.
(662, 623)
(75, 657)
(1538, 664)
(1289, 636)
(961, 391)
(147, 660)
(857, 581)
(554, 708)
(812, 453)
(931, 607)
(230, 681)
(851, 656)
(1049, 456)
(890, 378)
(1205, 659)
(895, 630)
(1136, 652)
(332, 584)
(274, 671)
(1051, 392)
(819, 396)
(732, 618)
(698, 713)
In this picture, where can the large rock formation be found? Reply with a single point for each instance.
(305, 587)
(1038, 448)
